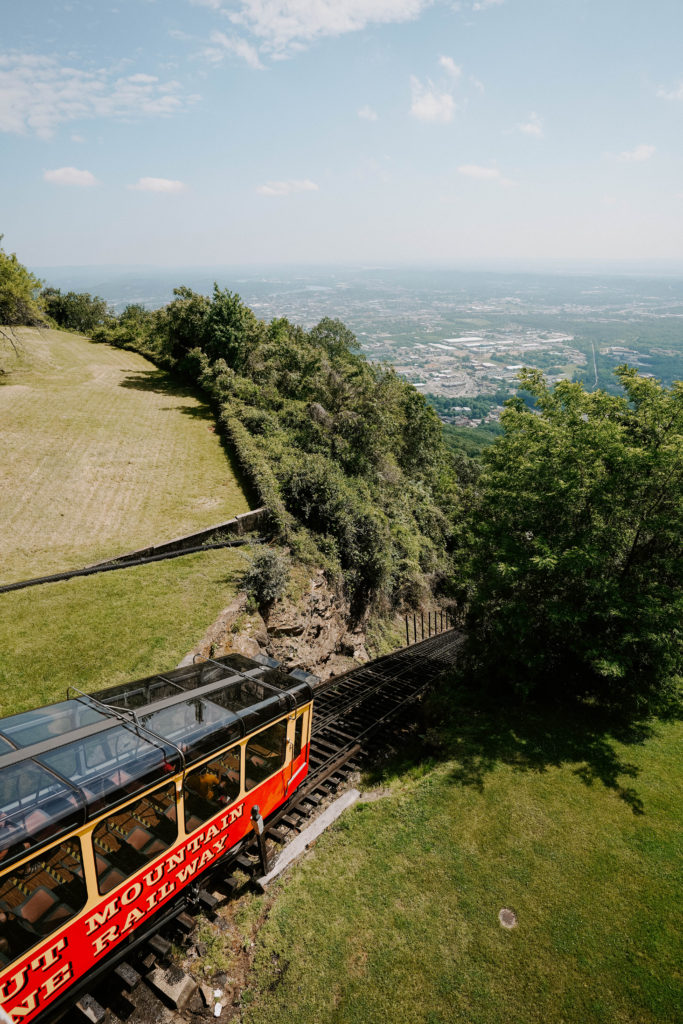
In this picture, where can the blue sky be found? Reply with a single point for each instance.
(209, 132)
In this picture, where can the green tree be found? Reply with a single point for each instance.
(575, 553)
(181, 325)
(133, 328)
(75, 311)
(230, 328)
(19, 293)
(335, 337)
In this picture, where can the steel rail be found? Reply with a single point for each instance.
(400, 665)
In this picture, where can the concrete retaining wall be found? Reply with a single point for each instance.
(238, 526)
(211, 537)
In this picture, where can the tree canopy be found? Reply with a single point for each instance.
(19, 293)
(75, 311)
(574, 543)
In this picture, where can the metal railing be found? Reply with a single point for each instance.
(437, 622)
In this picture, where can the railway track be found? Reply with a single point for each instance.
(355, 708)
(355, 714)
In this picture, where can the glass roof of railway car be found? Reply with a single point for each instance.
(240, 679)
(39, 724)
(154, 688)
(195, 726)
(201, 725)
(113, 765)
(65, 763)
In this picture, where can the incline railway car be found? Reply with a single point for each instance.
(113, 805)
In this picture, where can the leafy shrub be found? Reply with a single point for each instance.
(267, 577)
(258, 421)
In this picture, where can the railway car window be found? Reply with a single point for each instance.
(240, 694)
(34, 805)
(40, 896)
(265, 711)
(127, 840)
(213, 786)
(125, 697)
(298, 736)
(265, 753)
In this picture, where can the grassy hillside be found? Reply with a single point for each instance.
(101, 453)
(95, 631)
(394, 916)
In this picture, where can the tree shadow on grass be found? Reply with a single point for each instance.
(162, 383)
(479, 733)
(534, 738)
(159, 382)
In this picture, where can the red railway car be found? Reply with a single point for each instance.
(114, 805)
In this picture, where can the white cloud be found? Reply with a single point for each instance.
(481, 5)
(70, 176)
(284, 25)
(77, 138)
(234, 45)
(366, 113)
(450, 67)
(637, 155)
(430, 104)
(672, 94)
(158, 185)
(483, 173)
(532, 126)
(37, 94)
(286, 188)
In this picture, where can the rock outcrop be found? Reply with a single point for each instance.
(314, 633)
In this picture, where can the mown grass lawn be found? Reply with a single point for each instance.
(101, 453)
(393, 917)
(95, 631)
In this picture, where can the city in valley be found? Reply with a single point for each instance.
(455, 334)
